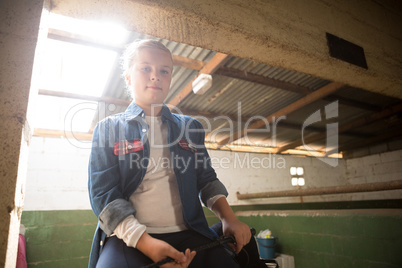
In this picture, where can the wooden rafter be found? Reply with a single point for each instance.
(188, 63)
(281, 124)
(316, 95)
(267, 81)
(125, 103)
(360, 143)
(83, 40)
(209, 68)
(216, 66)
(353, 103)
(80, 39)
(255, 78)
(121, 102)
(39, 132)
(62, 94)
(222, 70)
(354, 124)
(85, 137)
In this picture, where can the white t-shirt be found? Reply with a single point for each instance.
(157, 199)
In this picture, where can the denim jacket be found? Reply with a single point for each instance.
(118, 163)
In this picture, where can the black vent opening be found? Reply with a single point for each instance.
(344, 50)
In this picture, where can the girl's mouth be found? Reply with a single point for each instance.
(154, 87)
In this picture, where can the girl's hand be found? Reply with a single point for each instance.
(231, 225)
(189, 257)
(158, 250)
(239, 230)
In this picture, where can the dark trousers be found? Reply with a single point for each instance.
(115, 253)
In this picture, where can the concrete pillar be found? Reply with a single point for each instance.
(19, 27)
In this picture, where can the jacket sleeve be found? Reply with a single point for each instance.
(105, 193)
(208, 183)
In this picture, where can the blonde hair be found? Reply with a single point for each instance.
(134, 48)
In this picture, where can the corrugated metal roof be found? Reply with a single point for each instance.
(233, 103)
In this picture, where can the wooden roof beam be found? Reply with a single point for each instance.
(222, 70)
(376, 139)
(64, 36)
(255, 78)
(84, 40)
(188, 63)
(62, 94)
(267, 81)
(209, 68)
(282, 124)
(52, 133)
(314, 96)
(354, 124)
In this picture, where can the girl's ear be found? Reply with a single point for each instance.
(128, 79)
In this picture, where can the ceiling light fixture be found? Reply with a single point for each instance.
(202, 83)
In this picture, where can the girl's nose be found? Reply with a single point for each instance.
(154, 76)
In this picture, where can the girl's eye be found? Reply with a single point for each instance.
(147, 69)
(164, 72)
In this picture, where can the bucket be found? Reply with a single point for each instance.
(266, 247)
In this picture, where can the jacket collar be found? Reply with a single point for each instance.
(134, 111)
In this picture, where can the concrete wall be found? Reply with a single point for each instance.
(255, 173)
(318, 238)
(19, 30)
(289, 34)
(57, 175)
(271, 173)
(60, 224)
(60, 238)
(375, 168)
(333, 238)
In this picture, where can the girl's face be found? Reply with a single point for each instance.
(149, 78)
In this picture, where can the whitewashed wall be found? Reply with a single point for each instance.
(57, 175)
(380, 167)
(254, 173)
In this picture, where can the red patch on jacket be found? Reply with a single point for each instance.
(187, 146)
(126, 147)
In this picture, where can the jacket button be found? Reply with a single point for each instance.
(144, 130)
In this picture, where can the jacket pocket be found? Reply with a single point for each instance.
(126, 147)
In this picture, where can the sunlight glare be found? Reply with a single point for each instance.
(78, 69)
(106, 32)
